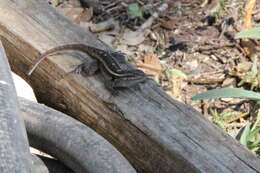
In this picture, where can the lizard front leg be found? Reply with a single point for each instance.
(113, 85)
(108, 80)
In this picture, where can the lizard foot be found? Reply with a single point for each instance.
(109, 84)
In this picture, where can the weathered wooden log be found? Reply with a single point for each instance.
(156, 133)
(14, 147)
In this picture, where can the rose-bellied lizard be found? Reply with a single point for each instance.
(111, 65)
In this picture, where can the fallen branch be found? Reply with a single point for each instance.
(14, 147)
(68, 140)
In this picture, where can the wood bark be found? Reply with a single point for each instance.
(156, 133)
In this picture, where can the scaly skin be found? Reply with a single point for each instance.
(110, 63)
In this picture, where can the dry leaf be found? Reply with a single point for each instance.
(248, 46)
(106, 38)
(151, 65)
(71, 12)
(170, 23)
(133, 38)
(176, 80)
(103, 26)
(85, 15)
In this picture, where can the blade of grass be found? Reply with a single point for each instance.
(256, 122)
(244, 135)
(227, 93)
(249, 33)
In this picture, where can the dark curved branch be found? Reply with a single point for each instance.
(38, 165)
(14, 148)
(68, 140)
(47, 165)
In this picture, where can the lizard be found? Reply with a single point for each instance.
(111, 65)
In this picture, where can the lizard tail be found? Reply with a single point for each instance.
(40, 59)
(52, 51)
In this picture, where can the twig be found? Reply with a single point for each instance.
(154, 16)
(248, 13)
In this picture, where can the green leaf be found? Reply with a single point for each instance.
(174, 72)
(228, 93)
(249, 33)
(256, 122)
(217, 119)
(256, 143)
(134, 11)
(244, 135)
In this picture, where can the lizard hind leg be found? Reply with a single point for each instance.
(87, 68)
